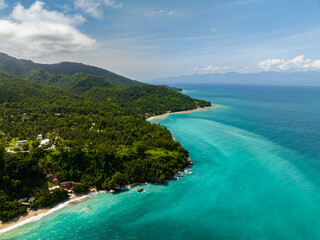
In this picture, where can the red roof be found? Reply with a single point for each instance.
(55, 180)
(49, 175)
(65, 183)
(69, 184)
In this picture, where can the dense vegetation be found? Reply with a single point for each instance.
(98, 136)
(172, 88)
(22, 68)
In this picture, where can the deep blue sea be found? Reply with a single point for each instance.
(256, 175)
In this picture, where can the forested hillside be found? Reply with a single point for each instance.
(145, 99)
(97, 136)
(22, 68)
(78, 83)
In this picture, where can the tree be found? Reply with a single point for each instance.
(81, 188)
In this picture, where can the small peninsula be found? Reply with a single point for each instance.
(68, 127)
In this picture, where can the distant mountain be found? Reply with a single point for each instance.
(300, 78)
(22, 68)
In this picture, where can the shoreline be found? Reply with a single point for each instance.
(32, 216)
(162, 116)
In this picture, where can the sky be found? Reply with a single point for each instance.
(149, 39)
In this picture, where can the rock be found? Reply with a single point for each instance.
(191, 163)
(140, 190)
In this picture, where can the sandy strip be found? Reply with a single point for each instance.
(32, 216)
(181, 112)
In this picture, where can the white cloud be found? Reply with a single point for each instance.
(211, 69)
(2, 4)
(90, 7)
(298, 63)
(113, 4)
(94, 7)
(37, 30)
(161, 12)
(316, 64)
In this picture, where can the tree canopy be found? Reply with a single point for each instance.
(97, 136)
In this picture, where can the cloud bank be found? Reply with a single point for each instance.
(37, 30)
(298, 63)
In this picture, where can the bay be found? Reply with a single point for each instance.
(255, 175)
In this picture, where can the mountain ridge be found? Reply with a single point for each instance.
(21, 68)
(287, 78)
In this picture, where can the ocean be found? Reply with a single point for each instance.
(256, 175)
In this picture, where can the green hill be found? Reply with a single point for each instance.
(22, 68)
(19, 91)
(98, 136)
(146, 99)
(77, 83)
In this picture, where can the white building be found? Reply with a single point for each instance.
(40, 137)
(44, 142)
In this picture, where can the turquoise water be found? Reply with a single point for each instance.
(256, 176)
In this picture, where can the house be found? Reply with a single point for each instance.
(40, 137)
(69, 184)
(44, 142)
(31, 200)
(49, 177)
(55, 180)
(66, 184)
(21, 143)
(53, 188)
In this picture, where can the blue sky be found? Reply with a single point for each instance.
(147, 39)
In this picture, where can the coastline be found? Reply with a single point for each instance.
(32, 215)
(180, 112)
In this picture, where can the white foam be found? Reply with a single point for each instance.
(38, 217)
(178, 176)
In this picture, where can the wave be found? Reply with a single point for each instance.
(54, 209)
